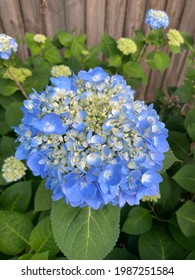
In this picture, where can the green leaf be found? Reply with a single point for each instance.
(42, 198)
(15, 229)
(2, 180)
(185, 92)
(186, 218)
(158, 61)
(162, 61)
(157, 244)
(165, 189)
(190, 124)
(41, 238)
(174, 49)
(7, 87)
(41, 256)
(76, 50)
(138, 221)
(52, 55)
(91, 58)
(120, 254)
(156, 37)
(74, 64)
(169, 160)
(7, 146)
(175, 123)
(115, 60)
(108, 45)
(13, 113)
(170, 195)
(179, 143)
(4, 127)
(80, 39)
(65, 38)
(188, 41)
(25, 257)
(83, 233)
(179, 237)
(4, 101)
(35, 49)
(190, 73)
(150, 60)
(134, 69)
(28, 39)
(39, 79)
(191, 256)
(185, 177)
(16, 197)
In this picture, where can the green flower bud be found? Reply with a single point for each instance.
(126, 46)
(175, 38)
(13, 169)
(60, 70)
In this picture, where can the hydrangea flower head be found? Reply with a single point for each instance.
(8, 45)
(60, 70)
(126, 46)
(92, 141)
(19, 73)
(157, 19)
(39, 38)
(175, 38)
(13, 169)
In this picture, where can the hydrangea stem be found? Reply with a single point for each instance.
(18, 84)
(141, 52)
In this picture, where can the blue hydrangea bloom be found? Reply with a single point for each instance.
(7, 46)
(157, 19)
(92, 141)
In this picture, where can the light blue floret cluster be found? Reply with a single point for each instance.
(92, 141)
(157, 19)
(8, 45)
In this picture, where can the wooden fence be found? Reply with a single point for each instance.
(94, 17)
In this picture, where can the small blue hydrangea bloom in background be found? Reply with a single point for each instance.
(8, 45)
(92, 141)
(157, 19)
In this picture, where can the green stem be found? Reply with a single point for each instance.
(162, 220)
(155, 216)
(18, 84)
(141, 52)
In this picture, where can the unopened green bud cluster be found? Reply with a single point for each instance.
(13, 169)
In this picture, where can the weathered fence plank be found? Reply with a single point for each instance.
(12, 22)
(75, 16)
(32, 16)
(115, 17)
(134, 18)
(54, 18)
(95, 20)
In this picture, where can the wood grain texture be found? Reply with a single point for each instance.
(53, 15)
(115, 17)
(95, 20)
(135, 13)
(75, 16)
(12, 22)
(32, 16)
